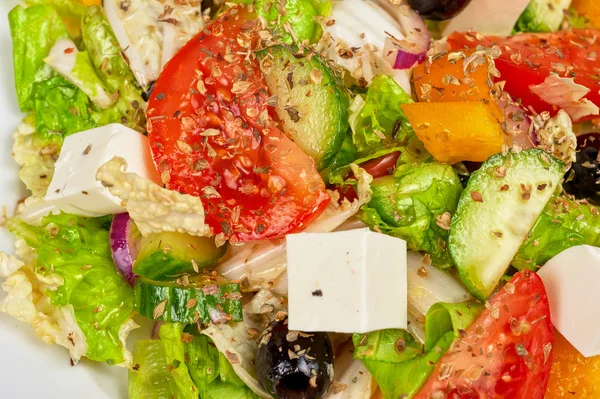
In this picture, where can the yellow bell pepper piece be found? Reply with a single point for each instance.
(457, 131)
(91, 2)
(589, 9)
(572, 375)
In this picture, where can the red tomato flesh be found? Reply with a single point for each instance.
(505, 353)
(212, 136)
(528, 59)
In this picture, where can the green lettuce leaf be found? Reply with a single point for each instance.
(77, 249)
(198, 367)
(34, 31)
(399, 363)
(68, 8)
(378, 120)
(299, 14)
(563, 224)
(410, 204)
(105, 54)
(60, 110)
(150, 378)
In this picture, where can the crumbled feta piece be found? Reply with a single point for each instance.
(348, 282)
(153, 208)
(490, 17)
(571, 281)
(74, 187)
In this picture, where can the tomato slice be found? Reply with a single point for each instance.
(212, 136)
(528, 59)
(506, 353)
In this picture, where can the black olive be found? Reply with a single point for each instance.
(293, 364)
(583, 180)
(438, 10)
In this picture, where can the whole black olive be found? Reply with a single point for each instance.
(438, 10)
(583, 180)
(293, 364)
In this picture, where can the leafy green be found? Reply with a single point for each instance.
(378, 127)
(69, 8)
(564, 223)
(105, 54)
(34, 31)
(60, 110)
(409, 204)
(380, 120)
(399, 363)
(150, 378)
(77, 249)
(299, 14)
(199, 367)
(174, 347)
(542, 16)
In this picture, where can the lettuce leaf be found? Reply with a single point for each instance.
(378, 120)
(299, 14)
(198, 368)
(105, 54)
(563, 224)
(34, 31)
(150, 378)
(68, 8)
(77, 249)
(412, 205)
(399, 363)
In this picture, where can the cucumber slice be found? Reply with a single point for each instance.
(500, 204)
(150, 378)
(312, 102)
(167, 255)
(197, 301)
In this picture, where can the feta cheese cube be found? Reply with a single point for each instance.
(74, 185)
(490, 17)
(571, 280)
(348, 282)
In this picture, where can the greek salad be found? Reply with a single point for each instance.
(341, 199)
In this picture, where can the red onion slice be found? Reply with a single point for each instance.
(124, 244)
(518, 123)
(407, 52)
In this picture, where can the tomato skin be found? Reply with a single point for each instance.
(505, 353)
(540, 54)
(212, 136)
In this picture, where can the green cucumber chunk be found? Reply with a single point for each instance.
(195, 302)
(149, 378)
(167, 255)
(499, 206)
(312, 102)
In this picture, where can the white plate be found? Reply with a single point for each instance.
(28, 367)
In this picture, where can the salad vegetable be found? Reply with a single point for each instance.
(195, 137)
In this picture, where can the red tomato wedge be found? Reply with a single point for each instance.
(212, 136)
(528, 59)
(505, 353)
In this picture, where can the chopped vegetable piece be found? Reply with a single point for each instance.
(500, 204)
(589, 9)
(449, 78)
(312, 102)
(188, 300)
(542, 16)
(572, 375)
(529, 59)
(212, 137)
(169, 255)
(505, 353)
(454, 132)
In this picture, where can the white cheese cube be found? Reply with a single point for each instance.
(348, 282)
(571, 280)
(74, 184)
